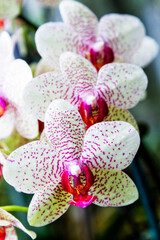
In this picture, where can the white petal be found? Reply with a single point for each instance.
(7, 123)
(122, 84)
(9, 8)
(110, 145)
(6, 55)
(6, 49)
(26, 123)
(113, 188)
(65, 129)
(80, 18)
(45, 88)
(18, 75)
(48, 205)
(79, 71)
(32, 166)
(146, 52)
(52, 39)
(123, 33)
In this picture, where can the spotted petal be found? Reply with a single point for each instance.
(32, 166)
(26, 123)
(122, 84)
(110, 145)
(52, 39)
(113, 188)
(80, 18)
(48, 205)
(123, 33)
(45, 88)
(65, 129)
(79, 71)
(9, 8)
(18, 75)
(6, 49)
(120, 114)
(8, 220)
(146, 52)
(7, 123)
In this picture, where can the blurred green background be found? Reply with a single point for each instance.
(141, 220)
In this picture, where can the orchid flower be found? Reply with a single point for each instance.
(9, 8)
(102, 96)
(7, 224)
(115, 38)
(14, 76)
(93, 159)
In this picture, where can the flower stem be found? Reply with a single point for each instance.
(14, 208)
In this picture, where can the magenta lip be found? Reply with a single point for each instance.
(3, 106)
(83, 201)
(2, 103)
(80, 191)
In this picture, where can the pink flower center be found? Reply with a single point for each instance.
(80, 191)
(100, 54)
(92, 108)
(2, 21)
(3, 106)
(2, 233)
